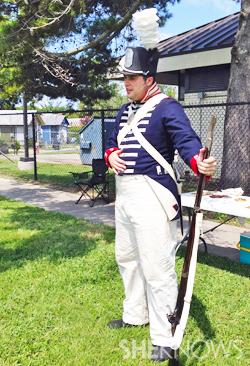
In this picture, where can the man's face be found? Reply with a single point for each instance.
(136, 86)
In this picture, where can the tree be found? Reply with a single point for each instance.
(114, 102)
(35, 37)
(168, 90)
(236, 154)
(9, 90)
(64, 47)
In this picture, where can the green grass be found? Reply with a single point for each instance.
(54, 174)
(59, 286)
(57, 175)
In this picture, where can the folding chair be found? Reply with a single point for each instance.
(93, 184)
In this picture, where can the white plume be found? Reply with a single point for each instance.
(146, 25)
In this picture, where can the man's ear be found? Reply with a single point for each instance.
(150, 81)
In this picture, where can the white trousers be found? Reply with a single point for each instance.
(145, 253)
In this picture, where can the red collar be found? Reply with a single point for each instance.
(153, 90)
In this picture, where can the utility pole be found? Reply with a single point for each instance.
(25, 162)
(25, 126)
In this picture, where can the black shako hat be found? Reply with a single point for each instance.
(140, 61)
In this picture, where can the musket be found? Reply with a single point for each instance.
(179, 317)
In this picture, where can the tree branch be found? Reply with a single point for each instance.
(105, 36)
(51, 64)
(55, 20)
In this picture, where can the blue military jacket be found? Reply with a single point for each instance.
(167, 128)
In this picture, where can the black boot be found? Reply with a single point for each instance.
(160, 353)
(119, 323)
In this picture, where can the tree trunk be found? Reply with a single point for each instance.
(236, 152)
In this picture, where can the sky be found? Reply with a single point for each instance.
(190, 14)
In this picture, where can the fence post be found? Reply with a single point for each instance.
(34, 145)
(103, 132)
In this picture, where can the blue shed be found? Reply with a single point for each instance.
(53, 128)
(93, 140)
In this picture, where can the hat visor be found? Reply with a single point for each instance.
(126, 71)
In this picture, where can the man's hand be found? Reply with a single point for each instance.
(117, 164)
(206, 166)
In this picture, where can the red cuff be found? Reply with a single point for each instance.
(194, 167)
(107, 153)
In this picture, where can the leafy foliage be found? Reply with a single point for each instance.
(169, 90)
(63, 48)
(114, 102)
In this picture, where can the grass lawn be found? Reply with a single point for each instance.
(57, 175)
(54, 174)
(59, 286)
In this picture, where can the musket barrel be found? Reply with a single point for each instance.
(190, 260)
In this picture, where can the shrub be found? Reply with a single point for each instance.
(16, 146)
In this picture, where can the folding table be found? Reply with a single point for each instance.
(232, 205)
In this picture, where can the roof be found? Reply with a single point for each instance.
(52, 119)
(217, 34)
(92, 120)
(87, 125)
(14, 117)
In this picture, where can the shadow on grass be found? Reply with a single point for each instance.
(222, 263)
(54, 236)
(198, 312)
(202, 320)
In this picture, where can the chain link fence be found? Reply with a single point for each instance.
(68, 141)
(227, 138)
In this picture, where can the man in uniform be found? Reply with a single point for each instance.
(147, 201)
